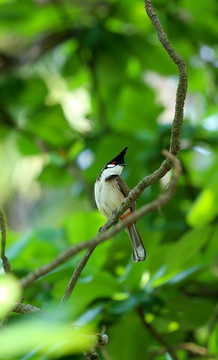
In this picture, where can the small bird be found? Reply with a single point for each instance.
(110, 191)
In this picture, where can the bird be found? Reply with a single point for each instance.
(110, 191)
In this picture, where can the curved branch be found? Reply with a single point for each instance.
(105, 235)
(183, 81)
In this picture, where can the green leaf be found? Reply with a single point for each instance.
(83, 225)
(53, 175)
(204, 209)
(141, 297)
(51, 338)
(213, 346)
(26, 145)
(124, 332)
(101, 285)
(51, 126)
(187, 249)
(10, 293)
(128, 110)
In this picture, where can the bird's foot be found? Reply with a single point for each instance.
(100, 229)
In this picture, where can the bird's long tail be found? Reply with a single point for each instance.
(139, 252)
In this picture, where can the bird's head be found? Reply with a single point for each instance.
(116, 165)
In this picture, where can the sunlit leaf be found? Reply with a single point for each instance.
(10, 292)
(54, 339)
(204, 209)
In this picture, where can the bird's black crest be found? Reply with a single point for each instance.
(119, 159)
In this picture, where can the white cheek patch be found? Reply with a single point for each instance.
(111, 170)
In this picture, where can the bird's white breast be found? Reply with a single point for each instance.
(107, 196)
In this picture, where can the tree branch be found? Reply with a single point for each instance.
(156, 334)
(182, 85)
(77, 273)
(26, 309)
(6, 265)
(188, 346)
(105, 235)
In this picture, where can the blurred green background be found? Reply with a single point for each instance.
(79, 81)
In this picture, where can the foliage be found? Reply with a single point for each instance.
(80, 81)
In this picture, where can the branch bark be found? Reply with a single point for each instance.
(182, 85)
(26, 309)
(77, 273)
(6, 264)
(188, 346)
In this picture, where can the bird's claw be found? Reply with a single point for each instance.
(100, 229)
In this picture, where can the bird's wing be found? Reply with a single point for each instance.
(125, 190)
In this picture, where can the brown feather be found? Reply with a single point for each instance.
(125, 190)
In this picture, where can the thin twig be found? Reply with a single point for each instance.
(188, 346)
(100, 340)
(105, 235)
(6, 264)
(77, 273)
(156, 334)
